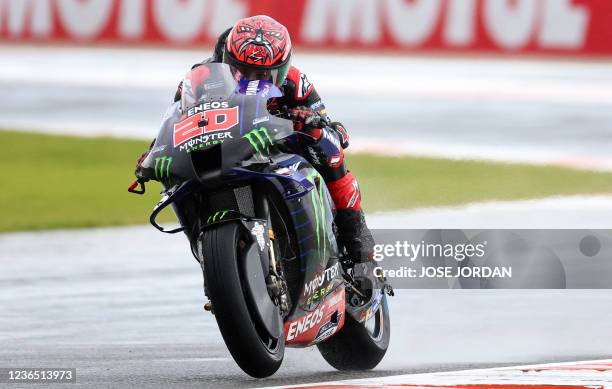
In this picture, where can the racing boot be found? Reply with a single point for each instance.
(355, 238)
(354, 235)
(365, 291)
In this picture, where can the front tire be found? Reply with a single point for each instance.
(251, 347)
(359, 346)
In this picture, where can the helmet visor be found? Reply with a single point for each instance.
(276, 76)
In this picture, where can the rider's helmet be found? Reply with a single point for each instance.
(260, 48)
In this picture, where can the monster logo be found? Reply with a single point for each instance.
(217, 216)
(259, 139)
(162, 167)
(318, 202)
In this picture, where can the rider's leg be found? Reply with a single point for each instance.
(327, 156)
(353, 232)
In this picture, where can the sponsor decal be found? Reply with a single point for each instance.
(374, 307)
(343, 134)
(315, 106)
(283, 171)
(162, 167)
(259, 139)
(207, 106)
(313, 155)
(157, 149)
(295, 167)
(355, 196)
(319, 293)
(288, 170)
(208, 121)
(566, 27)
(329, 274)
(258, 232)
(266, 91)
(252, 88)
(262, 119)
(217, 216)
(328, 329)
(204, 141)
(332, 139)
(336, 299)
(318, 201)
(214, 85)
(304, 87)
(305, 323)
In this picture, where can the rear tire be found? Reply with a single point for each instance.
(357, 347)
(252, 349)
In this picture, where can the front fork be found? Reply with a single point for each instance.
(275, 281)
(261, 231)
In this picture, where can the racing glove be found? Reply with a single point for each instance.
(323, 143)
(307, 123)
(138, 169)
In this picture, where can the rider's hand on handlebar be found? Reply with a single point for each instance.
(307, 122)
(138, 168)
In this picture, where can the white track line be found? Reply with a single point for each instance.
(568, 212)
(550, 375)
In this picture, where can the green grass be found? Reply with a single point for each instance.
(68, 182)
(393, 183)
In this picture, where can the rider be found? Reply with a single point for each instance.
(260, 48)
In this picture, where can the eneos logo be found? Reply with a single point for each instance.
(305, 323)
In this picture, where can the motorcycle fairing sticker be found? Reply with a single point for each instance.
(305, 324)
(305, 329)
(208, 121)
(328, 329)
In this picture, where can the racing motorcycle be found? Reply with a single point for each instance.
(259, 220)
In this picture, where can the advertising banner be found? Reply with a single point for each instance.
(548, 27)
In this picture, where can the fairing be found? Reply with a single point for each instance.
(215, 110)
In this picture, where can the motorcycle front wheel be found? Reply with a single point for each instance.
(256, 352)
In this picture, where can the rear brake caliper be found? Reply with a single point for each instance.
(360, 283)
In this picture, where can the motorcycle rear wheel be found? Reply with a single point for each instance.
(359, 346)
(254, 351)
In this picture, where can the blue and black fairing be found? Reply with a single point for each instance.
(194, 165)
(197, 147)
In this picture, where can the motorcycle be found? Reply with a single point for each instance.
(259, 220)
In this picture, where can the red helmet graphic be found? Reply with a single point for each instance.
(260, 47)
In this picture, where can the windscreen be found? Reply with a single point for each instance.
(207, 82)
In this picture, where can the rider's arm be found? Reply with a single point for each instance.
(300, 92)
